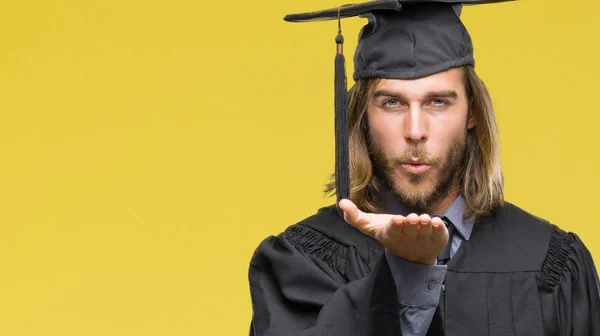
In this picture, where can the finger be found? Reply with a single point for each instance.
(412, 226)
(396, 226)
(352, 214)
(425, 229)
(439, 231)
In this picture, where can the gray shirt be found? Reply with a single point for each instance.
(419, 286)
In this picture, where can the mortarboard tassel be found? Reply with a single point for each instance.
(342, 175)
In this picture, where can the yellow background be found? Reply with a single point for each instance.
(147, 147)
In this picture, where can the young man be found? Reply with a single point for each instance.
(421, 242)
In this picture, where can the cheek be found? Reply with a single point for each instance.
(387, 126)
(443, 136)
(386, 132)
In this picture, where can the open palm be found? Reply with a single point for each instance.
(415, 238)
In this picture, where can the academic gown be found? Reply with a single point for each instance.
(517, 275)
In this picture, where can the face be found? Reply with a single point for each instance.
(417, 134)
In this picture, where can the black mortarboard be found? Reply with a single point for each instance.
(404, 39)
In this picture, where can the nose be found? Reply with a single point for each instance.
(415, 125)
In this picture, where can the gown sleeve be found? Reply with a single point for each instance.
(570, 295)
(291, 278)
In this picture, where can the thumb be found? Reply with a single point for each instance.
(351, 212)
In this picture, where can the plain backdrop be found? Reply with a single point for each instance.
(148, 147)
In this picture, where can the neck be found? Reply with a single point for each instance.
(391, 204)
(441, 206)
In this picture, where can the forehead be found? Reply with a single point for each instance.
(451, 79)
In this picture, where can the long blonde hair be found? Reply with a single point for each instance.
(481, 180)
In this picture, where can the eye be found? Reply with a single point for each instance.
(391, 103)
(439, 102)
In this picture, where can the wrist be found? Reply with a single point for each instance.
(415, 259)
(425, 261)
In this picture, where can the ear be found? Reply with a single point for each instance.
(470, 120)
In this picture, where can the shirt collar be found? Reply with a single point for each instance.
(455, 212)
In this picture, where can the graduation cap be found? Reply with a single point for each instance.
(404, 39)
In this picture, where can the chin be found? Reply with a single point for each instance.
(421, 189)
(424, 181)
(414, 187)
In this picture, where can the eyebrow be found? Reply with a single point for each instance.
(432, 94)
(442, 94)
(390, 94)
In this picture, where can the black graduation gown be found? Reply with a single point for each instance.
(517, 275)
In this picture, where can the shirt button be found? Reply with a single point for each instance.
(431, 285)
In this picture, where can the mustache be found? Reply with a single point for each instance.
(415, 153)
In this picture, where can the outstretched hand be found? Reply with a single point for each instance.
(415, 238)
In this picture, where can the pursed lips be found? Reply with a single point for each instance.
(415, 166)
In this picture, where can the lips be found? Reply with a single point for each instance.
(415, 167)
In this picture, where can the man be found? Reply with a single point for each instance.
(421, 241)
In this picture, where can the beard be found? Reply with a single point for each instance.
(412, 189)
